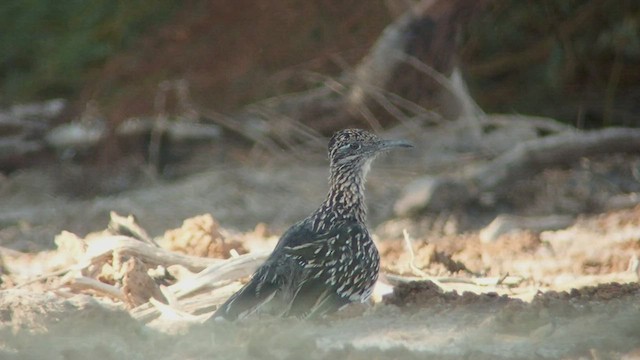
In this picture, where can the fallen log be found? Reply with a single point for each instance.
(438, 193)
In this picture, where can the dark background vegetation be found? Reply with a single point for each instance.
(574, 60)
(49, 48)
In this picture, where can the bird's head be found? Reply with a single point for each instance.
(356, 148)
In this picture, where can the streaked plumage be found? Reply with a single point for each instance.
(328, 259)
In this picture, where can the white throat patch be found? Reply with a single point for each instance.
(366, 167)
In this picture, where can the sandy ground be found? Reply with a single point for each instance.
(599, 322)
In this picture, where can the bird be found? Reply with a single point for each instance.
(327, 260)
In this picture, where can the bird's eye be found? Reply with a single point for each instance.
(354, 146)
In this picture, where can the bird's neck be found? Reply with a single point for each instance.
(345, 200)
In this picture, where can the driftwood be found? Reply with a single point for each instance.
(194, 293)
(135, 271)
(82, 283)
(216, 277)
(138, 291)
(439, 193)
(230, 269)
(151, 255)
(203, 303)
(85, 253)
(126, 269)
(127, 225)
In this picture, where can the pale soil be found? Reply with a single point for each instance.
(38, 326)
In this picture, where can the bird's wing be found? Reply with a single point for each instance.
(258, 291)
(308, 270)
(326, 264)
(267, 280)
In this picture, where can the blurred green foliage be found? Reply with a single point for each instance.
(575, 60)
(48, 47)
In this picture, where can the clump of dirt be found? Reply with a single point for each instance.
(417, 294)
(202, 236)
(137, 286)
(601, 292)
(618, 219)
(414, 293)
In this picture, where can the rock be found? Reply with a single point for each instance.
(504, 224)
(622, 201)
(76, 135)
(137, 286)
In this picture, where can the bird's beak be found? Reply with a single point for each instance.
(392, 144)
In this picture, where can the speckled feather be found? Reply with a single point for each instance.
(328, 259)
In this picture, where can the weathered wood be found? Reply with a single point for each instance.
(128, 226)
(230, 269)
(151, 255)
(216, 277)
(437, 193)
(83, 283)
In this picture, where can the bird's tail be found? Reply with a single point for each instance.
(249, 299)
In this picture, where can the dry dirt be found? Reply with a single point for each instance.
(566, 294)
(595, 322)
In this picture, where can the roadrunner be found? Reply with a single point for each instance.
(328, 259)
